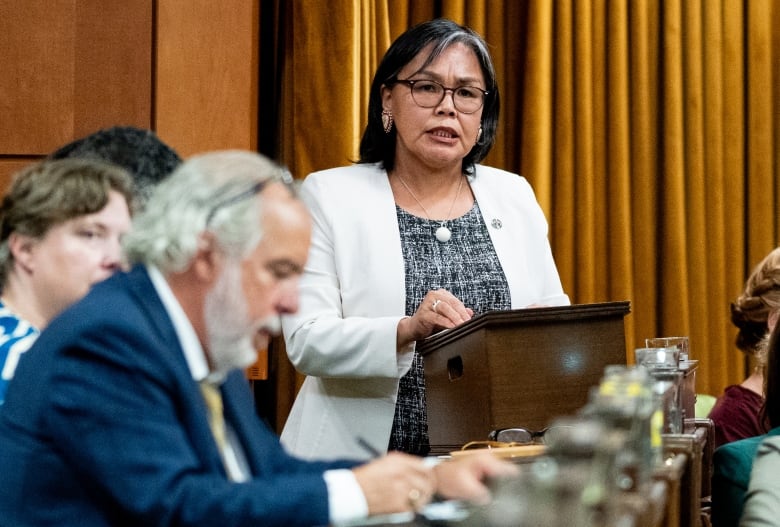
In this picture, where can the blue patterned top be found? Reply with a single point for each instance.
(16, 337)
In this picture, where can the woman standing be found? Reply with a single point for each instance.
(414, 238)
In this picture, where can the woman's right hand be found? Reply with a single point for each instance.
(438, 310)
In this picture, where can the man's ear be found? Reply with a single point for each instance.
(207, 263)
(21, 248)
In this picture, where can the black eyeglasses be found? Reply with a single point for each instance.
(429, 94)
(256, 188)
(524, 436)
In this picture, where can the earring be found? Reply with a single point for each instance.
(479, 135)
(387, 120)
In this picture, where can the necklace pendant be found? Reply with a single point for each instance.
(443, 234)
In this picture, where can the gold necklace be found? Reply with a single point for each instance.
(443, 234)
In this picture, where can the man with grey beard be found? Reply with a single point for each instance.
(132, 408)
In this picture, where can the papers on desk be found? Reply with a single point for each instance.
(383, 519)
(506, 452)
(451, 510)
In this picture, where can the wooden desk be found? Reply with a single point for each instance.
(691, 485)
(663, 502)
(517, 368)
(672, 473)
(673, 497)
(646, 508)
(707, 451)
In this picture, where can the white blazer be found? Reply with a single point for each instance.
(352, 297)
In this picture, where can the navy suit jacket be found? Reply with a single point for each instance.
(104, 425)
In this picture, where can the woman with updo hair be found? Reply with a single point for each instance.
(737, 413)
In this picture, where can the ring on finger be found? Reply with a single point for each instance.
(435, 305)
(414, 497)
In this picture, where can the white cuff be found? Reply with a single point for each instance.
(345, 497)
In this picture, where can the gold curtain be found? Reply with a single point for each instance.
(648, 129)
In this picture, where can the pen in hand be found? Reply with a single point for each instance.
(365, 445)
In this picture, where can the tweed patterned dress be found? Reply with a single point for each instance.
(468, 267)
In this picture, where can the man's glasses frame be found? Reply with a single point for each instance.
(285, 178)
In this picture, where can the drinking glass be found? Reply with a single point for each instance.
(657, 356)
(681, 343)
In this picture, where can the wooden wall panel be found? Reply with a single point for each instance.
(36, 85)
(9, 167)
(206, 82)
(113, 64)
(70, 67)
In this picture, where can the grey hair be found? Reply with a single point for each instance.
(207, 193)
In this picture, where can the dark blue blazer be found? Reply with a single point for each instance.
(732, 464)
(104, 425)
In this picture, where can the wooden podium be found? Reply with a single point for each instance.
(517, 368)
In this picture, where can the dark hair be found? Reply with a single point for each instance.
(376, 145)
(137, 150)
(52, 192)
(771, 410)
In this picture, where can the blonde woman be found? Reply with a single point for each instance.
(736, 415)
